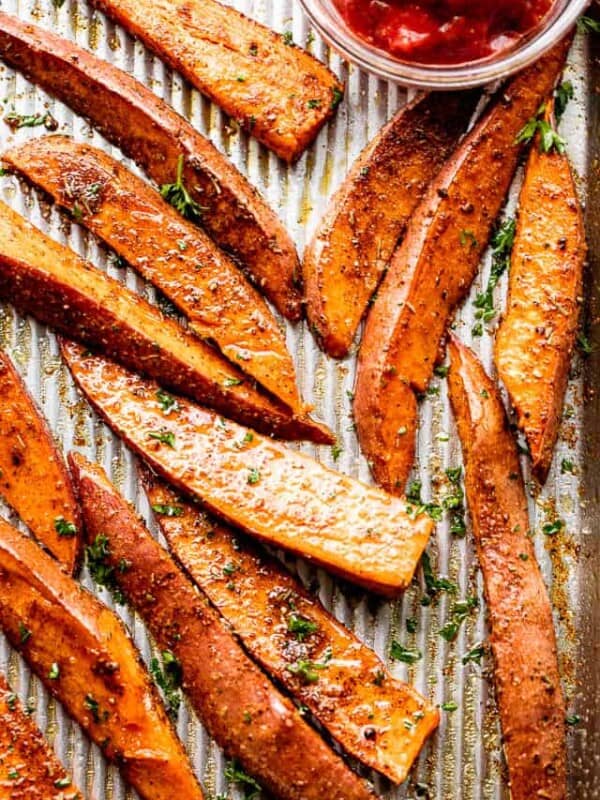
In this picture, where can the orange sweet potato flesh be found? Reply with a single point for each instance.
(276, 494)
(432, 270)
(286, 95)
(536, 337)
(376, 718)
(58, 626)
(28, 767)
(528, 689)
(155, 136)
(368, 215)
(45, 279)
(133, 219)
(241, 709)
(34, 479)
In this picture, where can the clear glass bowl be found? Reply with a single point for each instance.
(334, 30)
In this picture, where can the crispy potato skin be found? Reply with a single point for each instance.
(239, 706)
(52, 620)
(34, 479)
(431, 271)
(173, 254)
(151, 133)
(528, 689)
(535, 339)
(368, 215)
(29, 770)
(286, 95)
(274, 493)
(376, 718)
(43, 278)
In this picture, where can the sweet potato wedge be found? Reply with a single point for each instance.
(285, 95)
(43, 278)
(34, 479)
(28, 767)
(151, 133)
(528, 689)
(376, 718)
(367, 216)
(432, 270)
(535, 339)
(276, 494)
(81, 651)
(247, 716)
(173, 254)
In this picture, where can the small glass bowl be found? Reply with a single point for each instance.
(334, 30)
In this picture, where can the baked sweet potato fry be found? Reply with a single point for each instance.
(376, 718)
(432, 270)
(367, 216)
(528, 689)
(81, 651)
(244, 712)
(535, 339)
(34, 479)
(43, 278)
(151, 133)
(286, 95)
(28, 767)
(274, 493)
(132, 218)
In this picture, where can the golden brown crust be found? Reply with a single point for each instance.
(155, 137)
(286, 95)
(433, 268)
(239, 706)
(376, 718)
(535, 339)
(132, 218)
(43, 278)
(368, 215)
(528, 689)
(29, 770)
(81, 651)
(276, 494)
(33, 476)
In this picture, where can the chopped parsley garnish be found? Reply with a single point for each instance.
(453, 502)
(235, 774)
(11, 701)
(288, 38)
(411, 625)
(337, 97)
(229, 382)
(314, 103)
(307, 671)
(567, 466)
(230, 569)
(24, 633)
(475, 655)
(460, 612)
(563, 94)
(573, 719)
(467, 238)
(16, 121)
(64, 528)
(62, 783)
(167, 510)
(400, 653)
(336, 451)
(549, 138)
(301, 627)
(588, 25)
(552, 528)
(449, 706)
(164, 437)
(434, 584)
(584, 345)
(168, 678)
(502, 243)
(102, 572)
(14, 774)
(178, 196)
(441, 371)
(54, 672)
(253, 476)
(417, 506)
(166, 402)
(92, 705)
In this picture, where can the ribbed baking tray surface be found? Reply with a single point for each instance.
(463, 760)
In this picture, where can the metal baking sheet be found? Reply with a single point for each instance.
(463, 761)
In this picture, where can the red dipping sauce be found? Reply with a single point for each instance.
(442, 31)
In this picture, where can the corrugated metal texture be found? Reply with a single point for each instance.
(463, 761)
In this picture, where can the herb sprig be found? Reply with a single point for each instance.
(502, 244)
(178, 196)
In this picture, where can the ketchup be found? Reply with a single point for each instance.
(442, 31)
